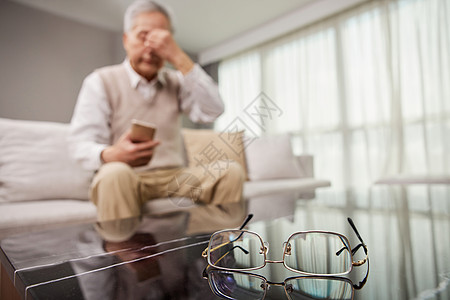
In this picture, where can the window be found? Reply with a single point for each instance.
(366, 92)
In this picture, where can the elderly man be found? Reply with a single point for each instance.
(127, 174)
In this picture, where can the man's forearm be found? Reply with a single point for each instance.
(183, 63)
(200, 97)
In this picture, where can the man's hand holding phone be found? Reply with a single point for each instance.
(135, 147)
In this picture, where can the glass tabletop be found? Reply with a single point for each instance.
(406, 229)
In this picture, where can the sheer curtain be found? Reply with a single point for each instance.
(239, 79)
(366, 92)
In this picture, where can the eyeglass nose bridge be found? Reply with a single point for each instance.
(287, 251)
(265, 246)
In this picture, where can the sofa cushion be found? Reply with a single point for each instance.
(204, 146)
(271, 158)
(34, 163)
(259, 188)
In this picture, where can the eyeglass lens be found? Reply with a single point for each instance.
(236, 250)
(318, 253)
(231, 285)
(318, 288)
(234, 285)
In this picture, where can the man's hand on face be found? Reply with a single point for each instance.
(161, 43)
(124, 150)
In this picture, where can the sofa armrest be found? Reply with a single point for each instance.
(306, 165)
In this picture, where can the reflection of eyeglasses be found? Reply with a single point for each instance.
(307, 252)
(241, 285)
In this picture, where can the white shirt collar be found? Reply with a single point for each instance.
(135, 78)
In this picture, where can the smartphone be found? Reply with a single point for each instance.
(141, 131)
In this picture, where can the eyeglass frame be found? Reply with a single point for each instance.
(207, 256)
(267, 283)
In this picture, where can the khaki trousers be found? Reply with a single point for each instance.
(119, 192)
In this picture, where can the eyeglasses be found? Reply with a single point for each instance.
(315, 252)
(240, 285)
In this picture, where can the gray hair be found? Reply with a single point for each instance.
(140, 6)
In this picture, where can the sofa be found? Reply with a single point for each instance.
(42, 188)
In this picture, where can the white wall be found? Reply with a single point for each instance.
(44, 59)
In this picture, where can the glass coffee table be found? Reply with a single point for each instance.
(406, 230)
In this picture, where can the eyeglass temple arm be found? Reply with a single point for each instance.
(249, 217)
(353, 250)
(362, 244)
(361, 284)
(355, 230)
(362, 261)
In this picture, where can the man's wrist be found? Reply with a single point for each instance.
(183, 63)
(104, 155)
